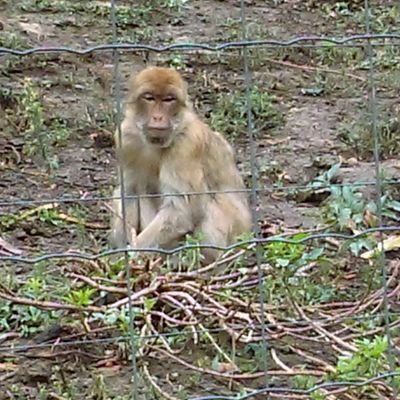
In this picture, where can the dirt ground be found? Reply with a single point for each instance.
(311, 112)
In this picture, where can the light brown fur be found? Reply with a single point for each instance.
(165, 149)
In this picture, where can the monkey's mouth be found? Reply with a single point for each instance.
(160, 141)
(157, 140)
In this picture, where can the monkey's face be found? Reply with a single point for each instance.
(159, 100)
(158, 117)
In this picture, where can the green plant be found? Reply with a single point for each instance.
(307, 382)
(81, 297)
(288, 260)
(331, 54)
(39, 138)
(383, 18)
(291, 255)
(320, 185)
(191, 258)
(344, 206)
(173, 3)
(31, 320)
(35, 286)
(359, 136)
(177, 61)
(98, 388)
(369, 360)
(120, 317)
(12, 41)
(230, 114)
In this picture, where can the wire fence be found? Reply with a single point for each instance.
(265, 328)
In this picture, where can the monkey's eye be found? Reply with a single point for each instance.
(169, 99)
(148, 97)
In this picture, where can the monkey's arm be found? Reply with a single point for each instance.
(172, 221)
(177, 215)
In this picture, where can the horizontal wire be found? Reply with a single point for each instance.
(126, 338)
(326, 385)
(194, 46)
(271, 239)
(273, 188)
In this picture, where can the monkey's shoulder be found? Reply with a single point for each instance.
(217, 139)
(205, 140)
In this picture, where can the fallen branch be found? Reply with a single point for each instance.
(109, 289)
(48, 305)
(138, 295)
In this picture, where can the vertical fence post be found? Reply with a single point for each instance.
(118, 118)
(378, 186)
(254, 184)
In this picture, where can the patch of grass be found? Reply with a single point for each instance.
(26, 110)
(351, 15)
(383, 18)
(387, 57)
(357, 134)
(140, 16)
(12, 41)
(340, 57)
(230, 113)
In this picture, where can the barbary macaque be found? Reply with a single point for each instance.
(166, 149)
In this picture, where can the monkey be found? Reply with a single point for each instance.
(165, 148)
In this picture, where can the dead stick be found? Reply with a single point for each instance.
(152, 288)
(48, 304)
(110, 289)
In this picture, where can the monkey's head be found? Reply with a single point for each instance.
(159, 99)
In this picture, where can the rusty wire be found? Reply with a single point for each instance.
(311, 41)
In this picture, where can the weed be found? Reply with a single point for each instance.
(173, 3)
(80, 297)
(346, 208)
(231, 29)
(120, 317)
(26, 319)
(230, 113)
(40, 139)
(383, 18)
(305, 382)
(177, 61)
(12, 41)
(357, 134)
(188, 258)
(34, 132)
(368, 361)
(288, 261)
(331, 54)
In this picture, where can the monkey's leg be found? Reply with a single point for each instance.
(216, 228)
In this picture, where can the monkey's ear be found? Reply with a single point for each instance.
(132, 89)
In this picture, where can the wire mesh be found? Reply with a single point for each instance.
(265, 329)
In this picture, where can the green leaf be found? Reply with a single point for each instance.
(282, 262)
